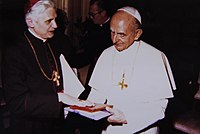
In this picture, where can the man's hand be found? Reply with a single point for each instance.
(70, 100)
(117, 117)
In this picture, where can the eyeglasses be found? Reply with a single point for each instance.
(94, 14)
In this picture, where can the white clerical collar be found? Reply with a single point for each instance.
(36, 35)
(129, 49)
(105, 21)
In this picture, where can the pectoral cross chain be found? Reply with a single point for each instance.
(122, 84)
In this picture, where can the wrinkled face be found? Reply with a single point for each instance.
(123, 30)
(45, 25)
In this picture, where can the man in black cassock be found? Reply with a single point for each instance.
(32, 76)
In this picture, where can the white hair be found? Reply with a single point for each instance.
(39, 7)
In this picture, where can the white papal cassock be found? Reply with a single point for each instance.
(148, 82)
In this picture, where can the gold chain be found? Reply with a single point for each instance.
(122, 83)
(55, 75)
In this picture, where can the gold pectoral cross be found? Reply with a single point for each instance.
(122, 84)
(56, 77)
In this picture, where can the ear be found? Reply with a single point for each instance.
(29, 22)
(138, 33)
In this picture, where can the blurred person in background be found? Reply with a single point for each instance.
(98, 36)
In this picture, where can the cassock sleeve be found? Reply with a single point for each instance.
(96, 96)
(72, 85)
(141, 117)
(169, 71)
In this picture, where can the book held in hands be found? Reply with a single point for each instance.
(96, 112)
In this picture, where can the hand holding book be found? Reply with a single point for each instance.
(93, 112)
(117, 117)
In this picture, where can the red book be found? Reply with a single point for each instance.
(97, 107)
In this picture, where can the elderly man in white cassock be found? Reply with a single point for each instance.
(133, 76)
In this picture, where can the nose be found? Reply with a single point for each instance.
(115, 38)
(54, 25)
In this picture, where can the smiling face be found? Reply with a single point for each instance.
(124, 30)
